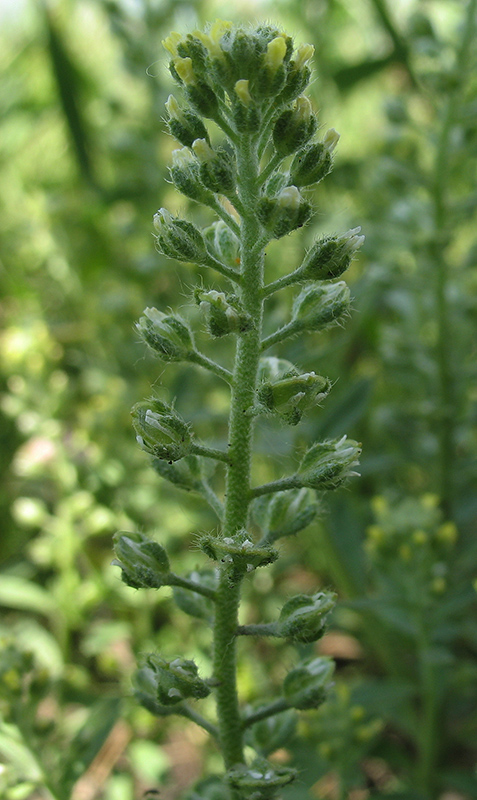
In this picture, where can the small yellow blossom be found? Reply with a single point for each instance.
(439, 585)
(218, 29)
(429, 500)
(447, 533)
(276, 50)
(303, 54)
(379, 504)
(203, 150)
(376, 534)
(183, 67)
(241, 88)
(173, 108)
(171, 43)
(420, 537)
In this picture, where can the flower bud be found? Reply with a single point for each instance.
(144, 562)
(284, 213)
(223, 243)
(239, 552)
(318, 306)
(271, 76)
(326, 465)
(294, 127)
(172, 681)
(166, 334)
(315, 161)
(183, 124)
(303, 618)
(184, 173)
(331, 256)
(260, 780)
(284, 513)
(289, 394)
(306, 686)
(217, 168)
(160, 430)
(245, 112)
(223, 314)
(177, 238)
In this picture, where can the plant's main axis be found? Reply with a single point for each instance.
(250, 84)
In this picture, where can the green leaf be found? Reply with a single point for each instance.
(89, 739)
(16, 592)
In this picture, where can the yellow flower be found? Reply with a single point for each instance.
(276, 50)
(171, 43)
(241, 88)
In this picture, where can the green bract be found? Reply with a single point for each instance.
(247, 170)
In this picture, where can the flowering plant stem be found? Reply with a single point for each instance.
(265, 119)
(240, 442)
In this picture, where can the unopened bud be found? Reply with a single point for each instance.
(303, 54)
(168, 335)
(284, 513)
(318, 306)
(160, 430)
(183, 67)
(183, 124)
(217, 168)
(223, 243)
(294, 127)
(303, 618)
(173, 681)
(327, 465)
(287, 393)
(177, 238)
(306, 686)
(331, 256)
(171, 42)
(223, 314)
(144, 563)
(285, 212)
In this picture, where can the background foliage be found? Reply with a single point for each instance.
(83, 166)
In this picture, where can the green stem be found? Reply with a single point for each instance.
(277, 707)
(428, 724)
(262, 629)
(280, 485)
(228, 272)
(212, 366)
(281, 334)
(240, 452)
(216, 206)
(194, 716)
(210, 452)
(271, 166)
(191, 586)
(441, 240)
(281, 283)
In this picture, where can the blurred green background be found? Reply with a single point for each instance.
(83, 167)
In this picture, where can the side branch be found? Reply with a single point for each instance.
(277, 707)
(293, 482)
(212, 366)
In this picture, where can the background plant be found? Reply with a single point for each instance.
(77, 266)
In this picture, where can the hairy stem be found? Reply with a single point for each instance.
(240, 454)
